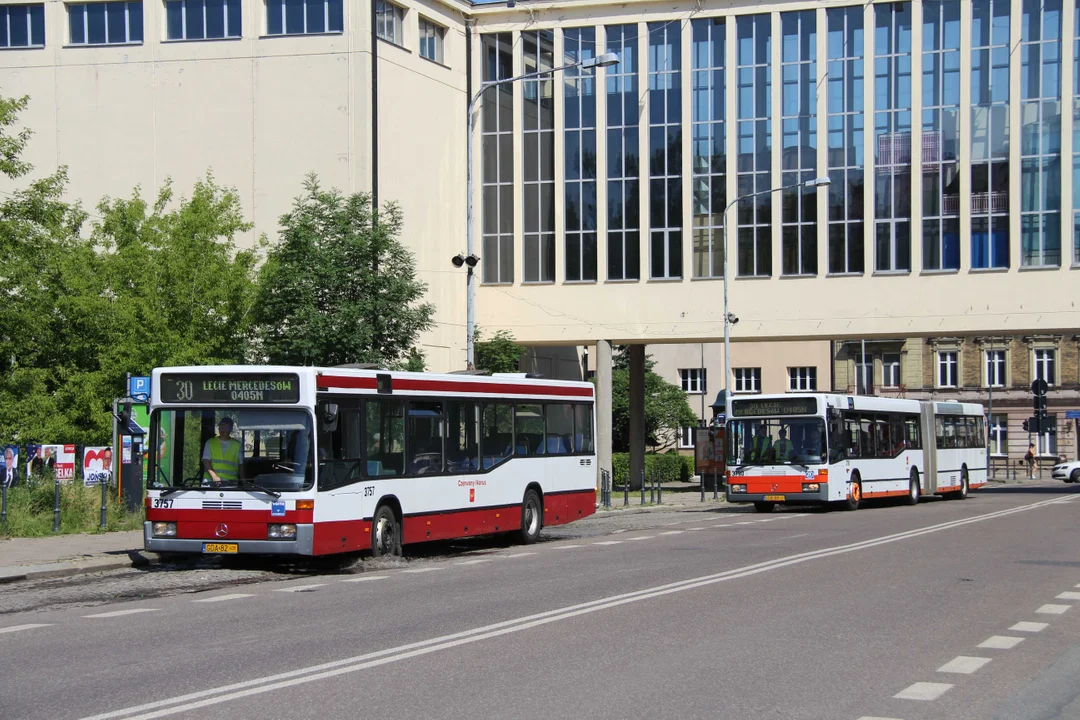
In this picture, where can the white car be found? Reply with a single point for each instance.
(1069, 472)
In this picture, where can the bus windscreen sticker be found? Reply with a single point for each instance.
(766, 408)
(238, 388)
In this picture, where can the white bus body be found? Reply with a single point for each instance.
(823, 448)
(340, 460)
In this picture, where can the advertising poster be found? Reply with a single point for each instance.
(9, 466)
(57, 458)
(125, 450)
(97, 465)
(709, 450)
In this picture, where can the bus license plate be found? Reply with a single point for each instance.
(220, 548)
(774, 498)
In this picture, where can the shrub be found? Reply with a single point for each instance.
(30, 510)
(671, 466)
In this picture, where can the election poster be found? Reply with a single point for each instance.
(59, 459)
(97, 465)
(9, 466)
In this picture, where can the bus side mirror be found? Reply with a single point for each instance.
(330, 414)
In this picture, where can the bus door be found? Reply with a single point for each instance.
(929, 446)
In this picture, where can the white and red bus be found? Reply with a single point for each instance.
(337, 460)
(822, 448)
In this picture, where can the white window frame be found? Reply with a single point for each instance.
(686, 436)
(802, 379)
(1044, 364)
(692, 380)
(999, 430)
(889, 366)
(954, 366)
(1046, 445)
(396, 13)
(995, 368)
(747, 380)
(231, 33)
(430, 30)
(85, 42)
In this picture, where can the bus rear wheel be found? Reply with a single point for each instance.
(962, 493)
(764, 507)
(385, 533)
(532, 517)
(914, 489)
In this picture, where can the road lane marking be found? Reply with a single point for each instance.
(565, 547)
(693, 529)
(609, 542)
(1051, 609)
(365, 578)
(223, 598)
(745, 522)
(225, 693)
(1001, 642)
(1069, 596)
(414, 571)
(118, 613)
(963, 665)
(17, 628)
(474, 562)
(1029, 627)
(672, 532)
(302, 588)
(521, 554)
(923, 691)
(642, 537)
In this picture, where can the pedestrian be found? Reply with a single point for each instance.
(1029, 460)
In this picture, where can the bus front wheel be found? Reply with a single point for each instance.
(385, 533)
(854, 494)
(532, 517)
(764, 507)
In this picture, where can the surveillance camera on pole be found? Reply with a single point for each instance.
(458, 259)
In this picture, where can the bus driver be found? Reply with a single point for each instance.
(223, 456)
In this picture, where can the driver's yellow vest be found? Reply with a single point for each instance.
(761, 444)
(225, 458)
(783, 448)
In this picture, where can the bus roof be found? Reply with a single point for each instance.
(870, 403)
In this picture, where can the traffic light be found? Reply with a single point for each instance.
(1027, 425)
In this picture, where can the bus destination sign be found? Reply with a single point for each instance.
(771, 408)
(240, 388)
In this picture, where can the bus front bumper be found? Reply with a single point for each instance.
(794, 498)
(302, 545)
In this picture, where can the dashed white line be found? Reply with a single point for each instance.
(520, 554)
(745, 522)
(421, 570)
(609, 542)
(673, 532)
(566, 547)
(118, 613)
(1051, 609)
(1001, 642)
(365, 578)
(1029, 627)
(474, 562)
(223, 598)
(963, 665)
(642, 537)
(28, 626)
(693, 529)
(923, 691)
(766, 519)
(1069, 596)
(301, 588)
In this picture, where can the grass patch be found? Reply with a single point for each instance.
(30, 510)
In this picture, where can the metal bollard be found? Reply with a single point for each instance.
(56, 507)
(701, 481)
(104, 501)
(626, 490)
(642, 487)
(659, 491)
(652, 489)
(3, 505)
(715, 487)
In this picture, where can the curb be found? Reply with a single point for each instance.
(135, 559)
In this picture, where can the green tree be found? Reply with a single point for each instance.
(339, 286)
(499, 354)
(666, 407)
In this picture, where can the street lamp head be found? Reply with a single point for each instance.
(458, 259)
(818, 182)
(732, 318)
(472, 259)
(606, 60)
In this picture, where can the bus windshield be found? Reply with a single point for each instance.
(275, 448)
(776, 441)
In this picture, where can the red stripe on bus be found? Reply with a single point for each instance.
(325, 382)
(884, 493)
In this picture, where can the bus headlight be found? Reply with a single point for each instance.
(285, 531)
(810, 487)
(164, 529)
(738, 488)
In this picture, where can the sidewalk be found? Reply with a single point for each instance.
(60, 555)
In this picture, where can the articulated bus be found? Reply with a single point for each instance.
(338, 460)
(842, 449)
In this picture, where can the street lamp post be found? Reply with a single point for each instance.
(605, 60)
(729, 319)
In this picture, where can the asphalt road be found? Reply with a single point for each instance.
(947, 610)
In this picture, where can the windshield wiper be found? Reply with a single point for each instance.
(170, 490)
(253, 486)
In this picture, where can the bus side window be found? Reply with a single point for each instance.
(852, 437)
(913, 442)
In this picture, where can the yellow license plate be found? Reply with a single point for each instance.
(775, 498)
(220, 548)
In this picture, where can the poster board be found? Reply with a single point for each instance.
(709, 450)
